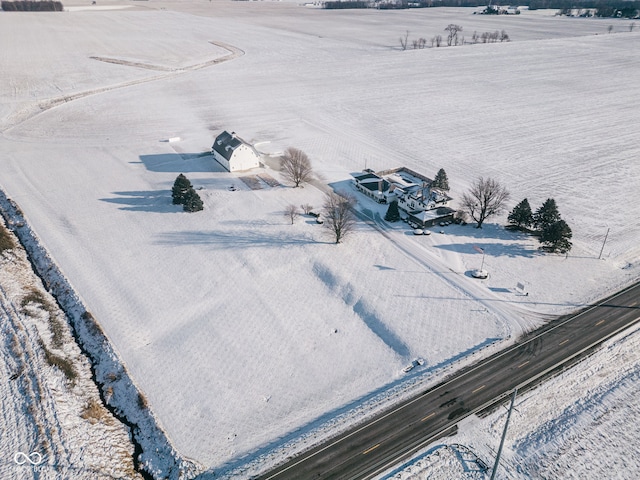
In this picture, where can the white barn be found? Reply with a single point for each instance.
(233, 153)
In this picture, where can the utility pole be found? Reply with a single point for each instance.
(605, 241)
(504, 434)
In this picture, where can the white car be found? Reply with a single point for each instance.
(418, 231)
(482, 274)
(413, 364)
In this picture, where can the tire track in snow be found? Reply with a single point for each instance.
(506, 314)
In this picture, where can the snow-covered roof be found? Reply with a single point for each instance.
(225, 144)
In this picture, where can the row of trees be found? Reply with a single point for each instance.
(31, 6)
(487, 197)
(553, 231)
(184, 194)
(603, 6)
(490, 37)
(452, 38)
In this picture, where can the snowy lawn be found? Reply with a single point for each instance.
(241, 328)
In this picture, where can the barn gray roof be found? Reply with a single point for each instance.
(225, 144)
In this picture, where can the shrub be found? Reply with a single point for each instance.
(63, 364)
(93, 411)
(6, 239)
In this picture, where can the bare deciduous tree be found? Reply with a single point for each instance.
(485, 198)
(453, 30)
(296, 166)
(338, 215)
(291, 211)
(420, 43)
(306, 208)
(404, 41)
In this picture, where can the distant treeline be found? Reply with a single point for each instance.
(335, 5)
(31, 6)
(602, 8)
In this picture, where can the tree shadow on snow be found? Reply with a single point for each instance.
(492, 249)
(181, 162)
(158, 201)
(224, 240)
(342, 415)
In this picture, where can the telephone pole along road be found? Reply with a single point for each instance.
(370, 449)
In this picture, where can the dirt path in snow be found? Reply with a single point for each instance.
(33, 111)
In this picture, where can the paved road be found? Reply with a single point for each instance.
(372, 448)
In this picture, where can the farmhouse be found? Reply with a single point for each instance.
(233, 153)
(372, 185)
(422, 205)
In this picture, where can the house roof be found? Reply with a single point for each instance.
(365, 176)
(225, 144)
(374, 184)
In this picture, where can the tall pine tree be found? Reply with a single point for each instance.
(180, 188)
(441, 181)
(521, 215)
(393, 214)
(192, 201)
(546, 215)
(556, 236)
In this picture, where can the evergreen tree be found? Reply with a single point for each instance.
(556, 236)
(521, 215)
(192, 201)
(393, 214)
(180, 188)
(546, 215)
(441, 181)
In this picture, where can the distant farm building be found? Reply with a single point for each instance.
(233, 153)
(420, 203)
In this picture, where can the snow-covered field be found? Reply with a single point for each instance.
(243, 330)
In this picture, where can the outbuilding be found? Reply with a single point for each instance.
(233, 153)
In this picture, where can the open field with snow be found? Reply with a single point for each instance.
(240, 328)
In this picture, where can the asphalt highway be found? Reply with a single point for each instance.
(371, 448)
